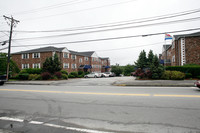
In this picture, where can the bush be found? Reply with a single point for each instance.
(23, 76)
(80, 76)
(58, 75)
(198, 77)
(64, 72)
(173, 75)
(71, 76)
(85, 73)
(46, 75)
(80, 73)
(32, 71)
(64, 76)
(176, 75)
(75, 74)
(34, 77)
(193, 69)
(188, 75)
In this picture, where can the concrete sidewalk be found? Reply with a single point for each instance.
(38, 82)
(161, 83)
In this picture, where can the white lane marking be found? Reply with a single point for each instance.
(36, 122)
(11, 119)
(53, 125)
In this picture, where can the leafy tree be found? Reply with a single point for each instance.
(128, 69)
(150, 58)
(13, 68)
(117, 69)
(142, 60)
(156, 69)
(52, 64)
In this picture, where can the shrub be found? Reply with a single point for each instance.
(85, 73)
(71, 76)
(75, 74)
(23, 76)
(58, 75)
(38, 77)
(32, 71)
(166, 75)
(80, 73)
(80, 76)
(64, 72)
(188, 75)
(198, 77)
(23, 71)
(173, 75)
(46, 75)
(54, 77)
(176, 75)
(193, 69)
(64, 76)
(34, 77)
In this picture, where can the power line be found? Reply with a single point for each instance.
(129, 47)
(111, 29)
(107, 39)
(81, 10)
(50, 7)
(121, 23)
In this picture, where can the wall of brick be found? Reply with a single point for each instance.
(43, 55)
(192, 51)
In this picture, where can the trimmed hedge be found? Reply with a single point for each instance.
(173, 75)
(74, 74)
(194, 70)
(32, 71)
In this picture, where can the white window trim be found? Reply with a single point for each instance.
(35, 53)
(23, 66)
(27, 56)
(86, 59)
(80, 60)
(64, 65)
(72, 56)
(35, 64)
(64, 55)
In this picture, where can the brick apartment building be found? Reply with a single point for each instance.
(70, 60)
(185, 49)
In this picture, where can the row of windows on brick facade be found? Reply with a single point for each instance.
(37, 65)
(65, 55)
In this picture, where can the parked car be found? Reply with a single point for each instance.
(2, 79)
(197, 83)
(104, 75)
(93, 75)
(110, 74)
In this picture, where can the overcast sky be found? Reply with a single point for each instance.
(45, 15)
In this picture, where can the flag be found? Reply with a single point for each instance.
(168, 36)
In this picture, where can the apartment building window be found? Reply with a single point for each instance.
(36, 55)
(73, 57)
(65, 55)
(173, 58)
(65, 65)
(86, 58)
(24, 66)
(92, 58)
(25, 56)
(37, 65)
(73, 66)
(80, 60)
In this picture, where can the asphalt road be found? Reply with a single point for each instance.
(82, 107)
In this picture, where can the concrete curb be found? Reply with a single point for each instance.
(156, 85)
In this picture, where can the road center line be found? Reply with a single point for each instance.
(70, 92)
(99, 93)
(54, 125)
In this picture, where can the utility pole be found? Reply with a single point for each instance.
(12, 24)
